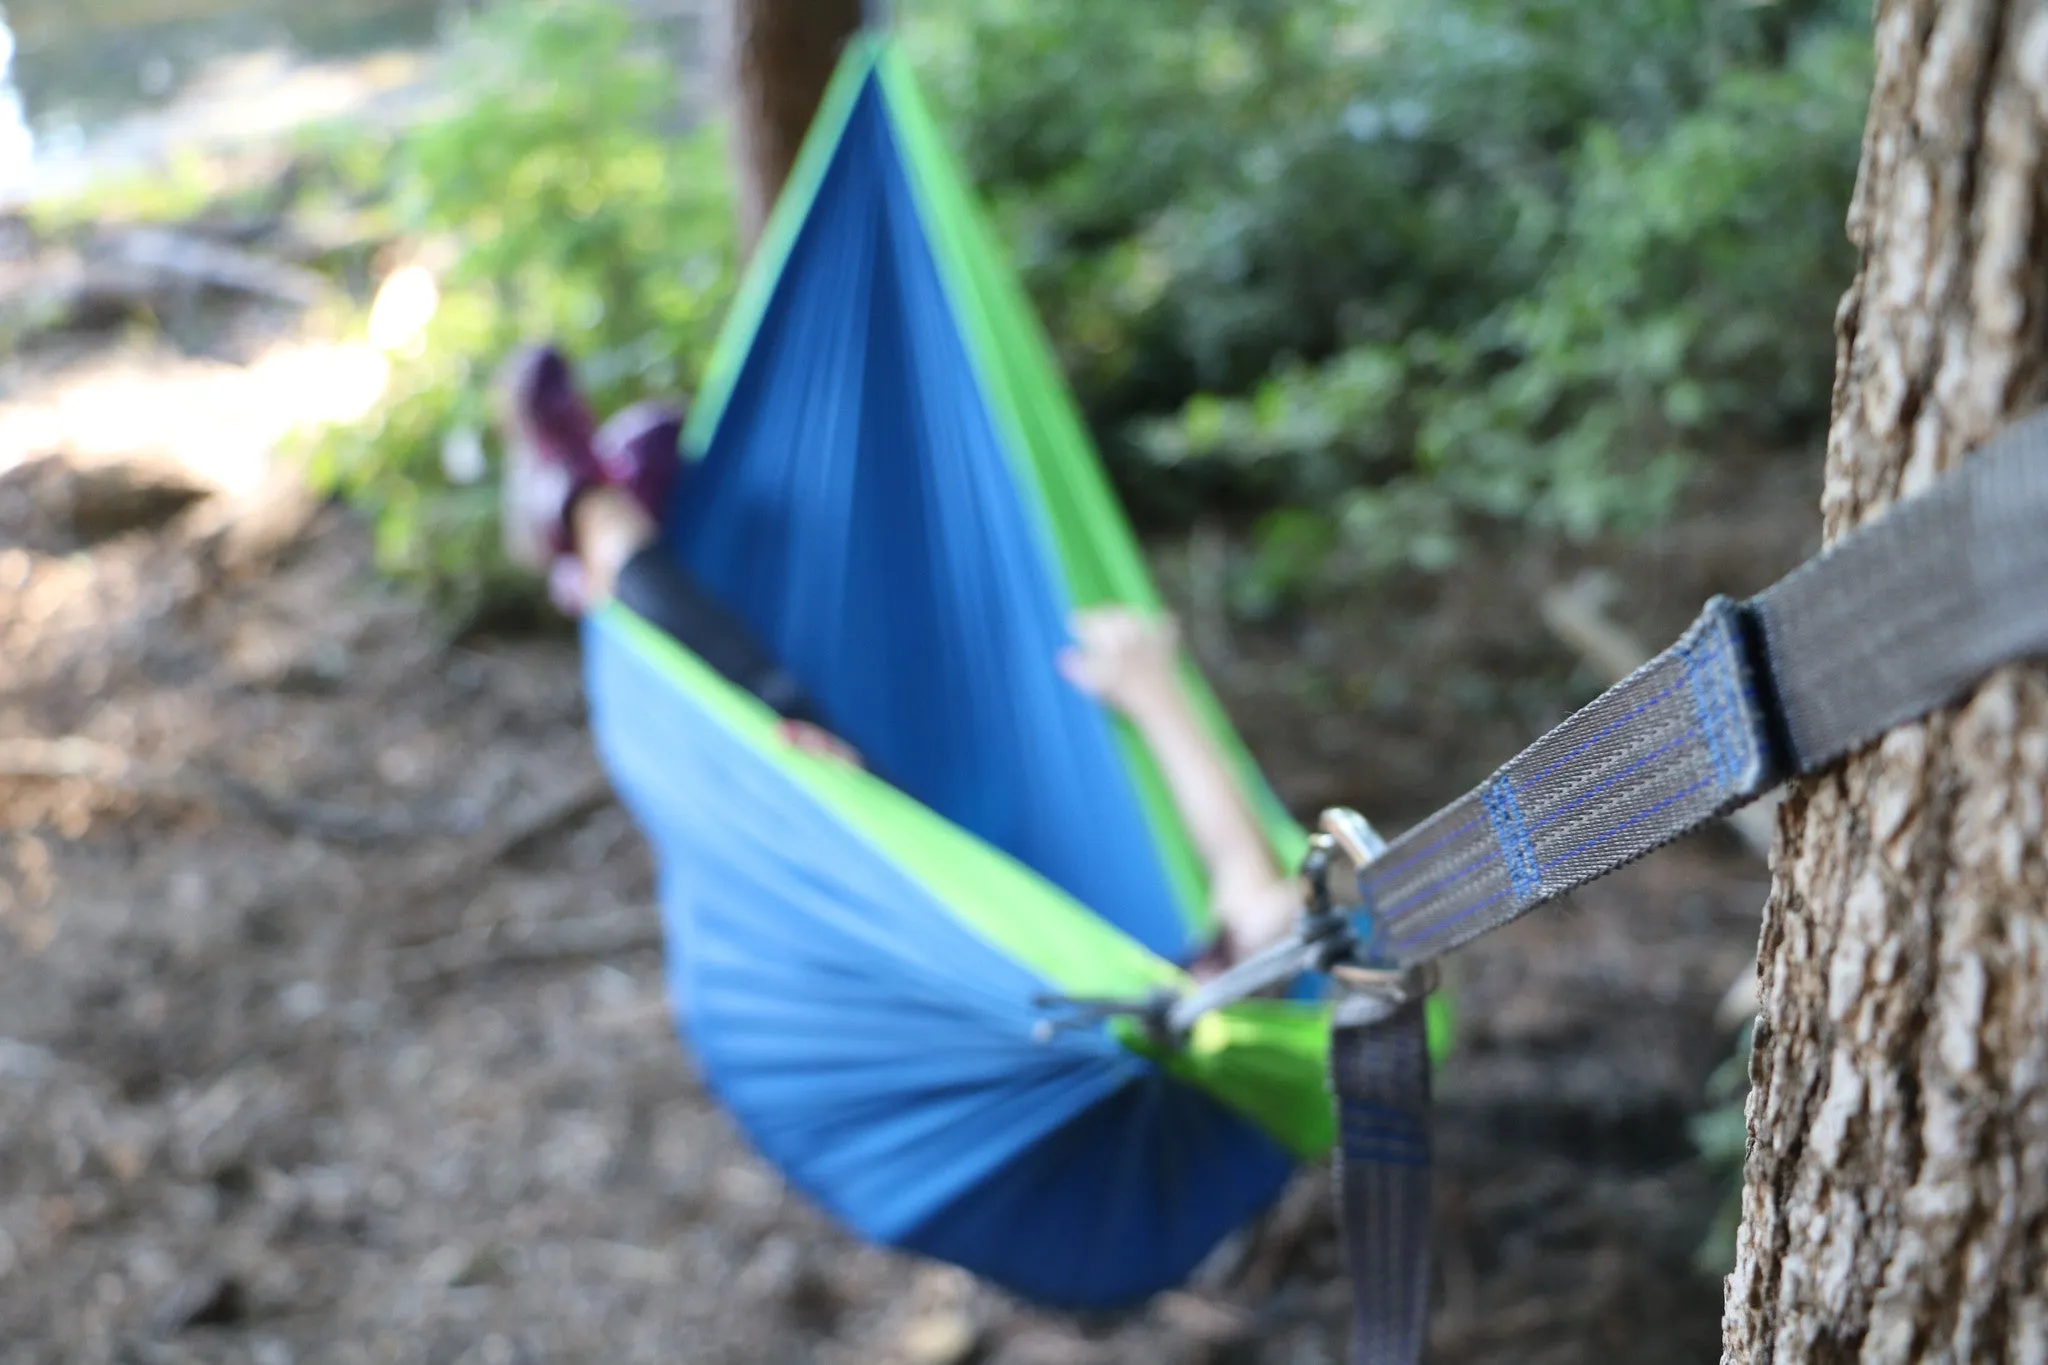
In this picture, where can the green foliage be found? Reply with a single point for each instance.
(1414, 266)
(175, 192)
(1721, 1133)
(570, 209)
(1372, 275)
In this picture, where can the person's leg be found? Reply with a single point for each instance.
(1132, 664)
(611, 531)
(583, 504)
(550, 461)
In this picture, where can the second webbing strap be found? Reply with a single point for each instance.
(1379, 1069)
(1895, 620)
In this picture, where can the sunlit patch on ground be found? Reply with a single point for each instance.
(222, 422)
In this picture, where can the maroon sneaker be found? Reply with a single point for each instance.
(638, 450)
(550, 457)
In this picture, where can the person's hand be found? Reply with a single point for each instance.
(801, 734)
(1120, 657)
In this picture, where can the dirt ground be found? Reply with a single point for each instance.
(331, 1010)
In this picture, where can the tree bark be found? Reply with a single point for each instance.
(780, 55)
(1896, 1199)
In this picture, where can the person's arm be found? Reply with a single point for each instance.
(1131, 663)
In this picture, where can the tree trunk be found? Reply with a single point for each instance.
(1896, 1202)
(780, 55)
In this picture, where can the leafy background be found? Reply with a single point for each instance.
(1364, 278)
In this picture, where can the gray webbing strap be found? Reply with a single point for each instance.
(1672, 746)
(1896, 619)
(1379, 1069)
(1902, 617)
(1893, 621)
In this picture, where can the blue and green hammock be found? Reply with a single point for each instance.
(895, 490)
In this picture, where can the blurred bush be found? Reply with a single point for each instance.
(1377, 271)
(559, 200)
(1367, 275)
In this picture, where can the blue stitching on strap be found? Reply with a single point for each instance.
(1424, 852)
(1707, 666)
(1640, 816)
(1451, 921)
(1623, 722)
(1487, 859)
(1511, 832)
(1384, 1135)
(1618, 776)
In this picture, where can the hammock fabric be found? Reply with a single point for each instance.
(896, 492)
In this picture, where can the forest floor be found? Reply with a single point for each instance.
(332, 1023)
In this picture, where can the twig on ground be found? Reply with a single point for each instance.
(160, 255)
(561, 809)
(1518, 1323)
(511, 837)
(74, 758)
(490, 948)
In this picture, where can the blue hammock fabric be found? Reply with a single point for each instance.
(853, 1027)
(857, 508)
(855, 504)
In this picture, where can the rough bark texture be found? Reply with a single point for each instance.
(1896, 1205)
(779, 57)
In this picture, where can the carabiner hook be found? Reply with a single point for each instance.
(1085, 1012)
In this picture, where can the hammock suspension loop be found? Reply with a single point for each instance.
(1334, 939)
(1328, 937)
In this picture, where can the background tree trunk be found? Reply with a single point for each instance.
(780, 55)
(1896, 1205)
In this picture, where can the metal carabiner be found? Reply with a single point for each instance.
(1375, 989)
(1326, 941)
(1086, 1012)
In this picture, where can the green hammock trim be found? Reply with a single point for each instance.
(771, 253)
(1058, 465)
